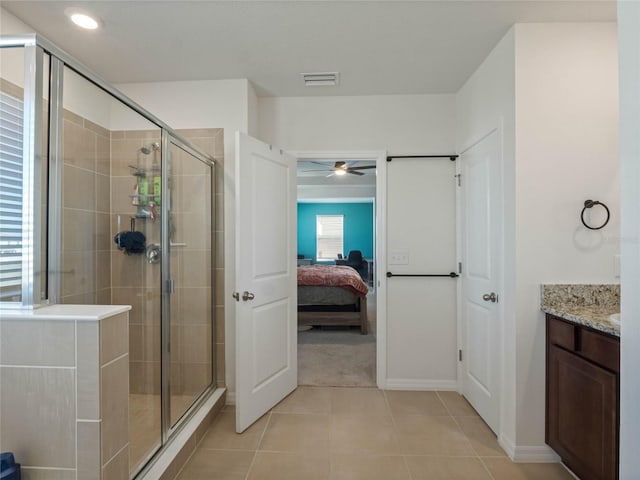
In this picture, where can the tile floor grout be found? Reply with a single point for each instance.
(255, 455)
(371, 406)
(395, 428)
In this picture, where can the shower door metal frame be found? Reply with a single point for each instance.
(167, 283)
(35, 47)
(31, 235)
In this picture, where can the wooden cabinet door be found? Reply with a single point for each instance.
(582, 420)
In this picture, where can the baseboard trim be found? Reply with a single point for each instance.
(418, 385)
(528, 454)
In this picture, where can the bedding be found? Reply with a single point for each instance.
(331, 295)
(334, 276)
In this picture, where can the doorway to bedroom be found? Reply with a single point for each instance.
(337, 294)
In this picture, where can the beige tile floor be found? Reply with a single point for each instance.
(321, 433)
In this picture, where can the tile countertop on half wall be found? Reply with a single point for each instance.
(65, 312)
(588, 305)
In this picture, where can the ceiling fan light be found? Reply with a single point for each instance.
(340, 171)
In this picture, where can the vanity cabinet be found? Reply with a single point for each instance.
(583, 389)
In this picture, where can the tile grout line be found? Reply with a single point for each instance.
(255, 454)
(472, 447)
(486, 468)
(455, 420)
(396, 431)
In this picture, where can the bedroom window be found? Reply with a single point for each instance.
(11, 115)
(329, 236)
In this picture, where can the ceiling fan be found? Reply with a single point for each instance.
(342, 168)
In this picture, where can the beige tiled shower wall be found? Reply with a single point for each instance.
(134, 280)
(86, 201)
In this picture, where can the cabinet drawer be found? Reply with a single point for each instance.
(561, 333)
(600, 349)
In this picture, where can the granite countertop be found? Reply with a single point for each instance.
(588, 305)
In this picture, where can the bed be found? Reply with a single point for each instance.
(331, 295)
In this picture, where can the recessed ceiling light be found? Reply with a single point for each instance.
(322, 79)
(82, 19)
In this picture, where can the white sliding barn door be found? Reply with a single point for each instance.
(481, 210)
(421, 239)
(266, 278)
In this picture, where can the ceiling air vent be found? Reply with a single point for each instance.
(321, 79)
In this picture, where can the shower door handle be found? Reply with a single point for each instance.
(247, 296)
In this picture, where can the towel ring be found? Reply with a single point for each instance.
(592, 203)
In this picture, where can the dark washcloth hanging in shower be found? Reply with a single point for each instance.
(133, 243)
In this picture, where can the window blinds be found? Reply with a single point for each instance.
(11, 132)
(329, 236)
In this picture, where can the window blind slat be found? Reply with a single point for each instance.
(329, 236)
(11, 117)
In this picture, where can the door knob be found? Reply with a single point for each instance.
(247, 296)
(490, 297)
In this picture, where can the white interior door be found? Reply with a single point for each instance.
(266, 318)
(481, 223)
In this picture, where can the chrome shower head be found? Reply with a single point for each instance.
(150, 147)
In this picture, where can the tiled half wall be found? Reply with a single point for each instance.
(64, 403)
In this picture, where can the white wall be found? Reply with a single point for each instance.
(252, 106)
(207, 104)
(12, 61)
(484, 103)
(400, 124)
(629, 48)
(421, 348)
(12, 25)
(553, 88)
(566, 153)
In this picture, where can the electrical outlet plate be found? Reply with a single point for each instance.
(399, 258)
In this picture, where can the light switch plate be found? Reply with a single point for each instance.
(399, 258)
(616, 266)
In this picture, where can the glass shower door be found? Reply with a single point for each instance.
(189, 267)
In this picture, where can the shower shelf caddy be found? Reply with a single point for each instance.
(146, 208)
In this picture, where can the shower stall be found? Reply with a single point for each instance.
(101, 203)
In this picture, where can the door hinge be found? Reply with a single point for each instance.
(459, 178)
(170, 287)
(459, 355)
(460, 268)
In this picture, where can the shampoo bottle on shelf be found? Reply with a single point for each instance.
(143, 190)
(135, 198)
(157, 189)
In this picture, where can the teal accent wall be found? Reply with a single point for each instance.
(358, 226)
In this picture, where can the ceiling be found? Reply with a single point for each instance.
(323, 170)
(379, 47)
(315, 184)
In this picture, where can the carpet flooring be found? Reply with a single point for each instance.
(336, 358)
